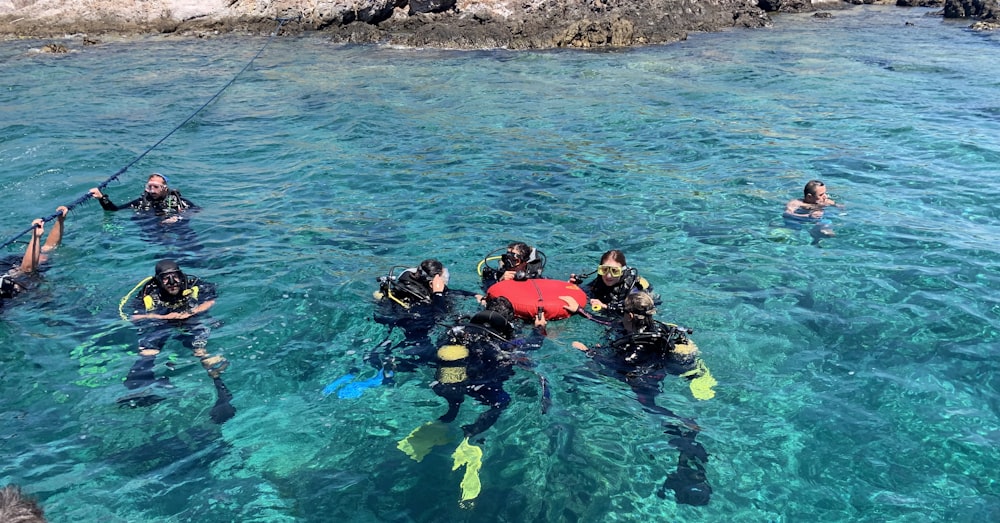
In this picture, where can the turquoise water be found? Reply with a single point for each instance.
(857, 377)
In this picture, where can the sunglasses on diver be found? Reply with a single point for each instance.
(170, 277)
(610, 270)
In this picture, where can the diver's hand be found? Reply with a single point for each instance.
(437, 284)
(579, 346)
(572, 305)
(597, 304)
(96, 193)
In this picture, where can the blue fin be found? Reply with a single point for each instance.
(357, 388)
(329, 389)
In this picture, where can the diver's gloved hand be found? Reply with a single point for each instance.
(222, 411)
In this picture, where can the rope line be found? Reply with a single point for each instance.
(113, 177)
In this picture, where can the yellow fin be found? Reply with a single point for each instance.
(701, 386)
(423, 438)
(471, 457)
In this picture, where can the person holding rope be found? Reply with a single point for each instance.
(163, 215)
(14, 280)
(158, 198)
(174, 304)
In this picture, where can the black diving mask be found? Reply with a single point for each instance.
(510, 260)
(171, 278)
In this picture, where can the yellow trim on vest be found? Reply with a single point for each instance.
(148, 302)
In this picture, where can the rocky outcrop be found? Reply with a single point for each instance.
(800, 6)
(514, 24)
(984, 10)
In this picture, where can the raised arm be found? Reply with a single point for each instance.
(33, 255)
(56, 234)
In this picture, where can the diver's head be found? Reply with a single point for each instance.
(501, 306)
(814, 192)
(498, 316)
(612, 267)
(516, 258)
(169, 277)
(430, 268)
(156, 186)
(639, 310)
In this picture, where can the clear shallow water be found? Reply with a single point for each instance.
(857, 378)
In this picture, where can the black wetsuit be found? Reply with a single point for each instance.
(642, 359)
(193, 332)
(492, 352)
(172, 203)
(152, 215)
(408, 303)
(613, 298)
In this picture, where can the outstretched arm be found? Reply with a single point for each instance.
(56, 234)
(574, 308)
(33, 255)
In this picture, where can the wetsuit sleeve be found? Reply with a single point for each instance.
(533, 341)
(439, 302)
(108, 205)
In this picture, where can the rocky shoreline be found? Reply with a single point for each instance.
(459, 24)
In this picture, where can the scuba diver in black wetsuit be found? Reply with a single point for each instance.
(520, 262)
(615, 281)
(158, 197)
(15, 279)
(415, 300)
(641, 352)
(162, 213)
(173, 304)
(477, 356)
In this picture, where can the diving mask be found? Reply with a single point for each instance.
(610, 270)
(169, 278)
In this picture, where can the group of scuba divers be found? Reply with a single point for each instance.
(473, 356)
(476, 354)
(168, 304)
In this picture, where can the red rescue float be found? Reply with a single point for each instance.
(530, 296)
